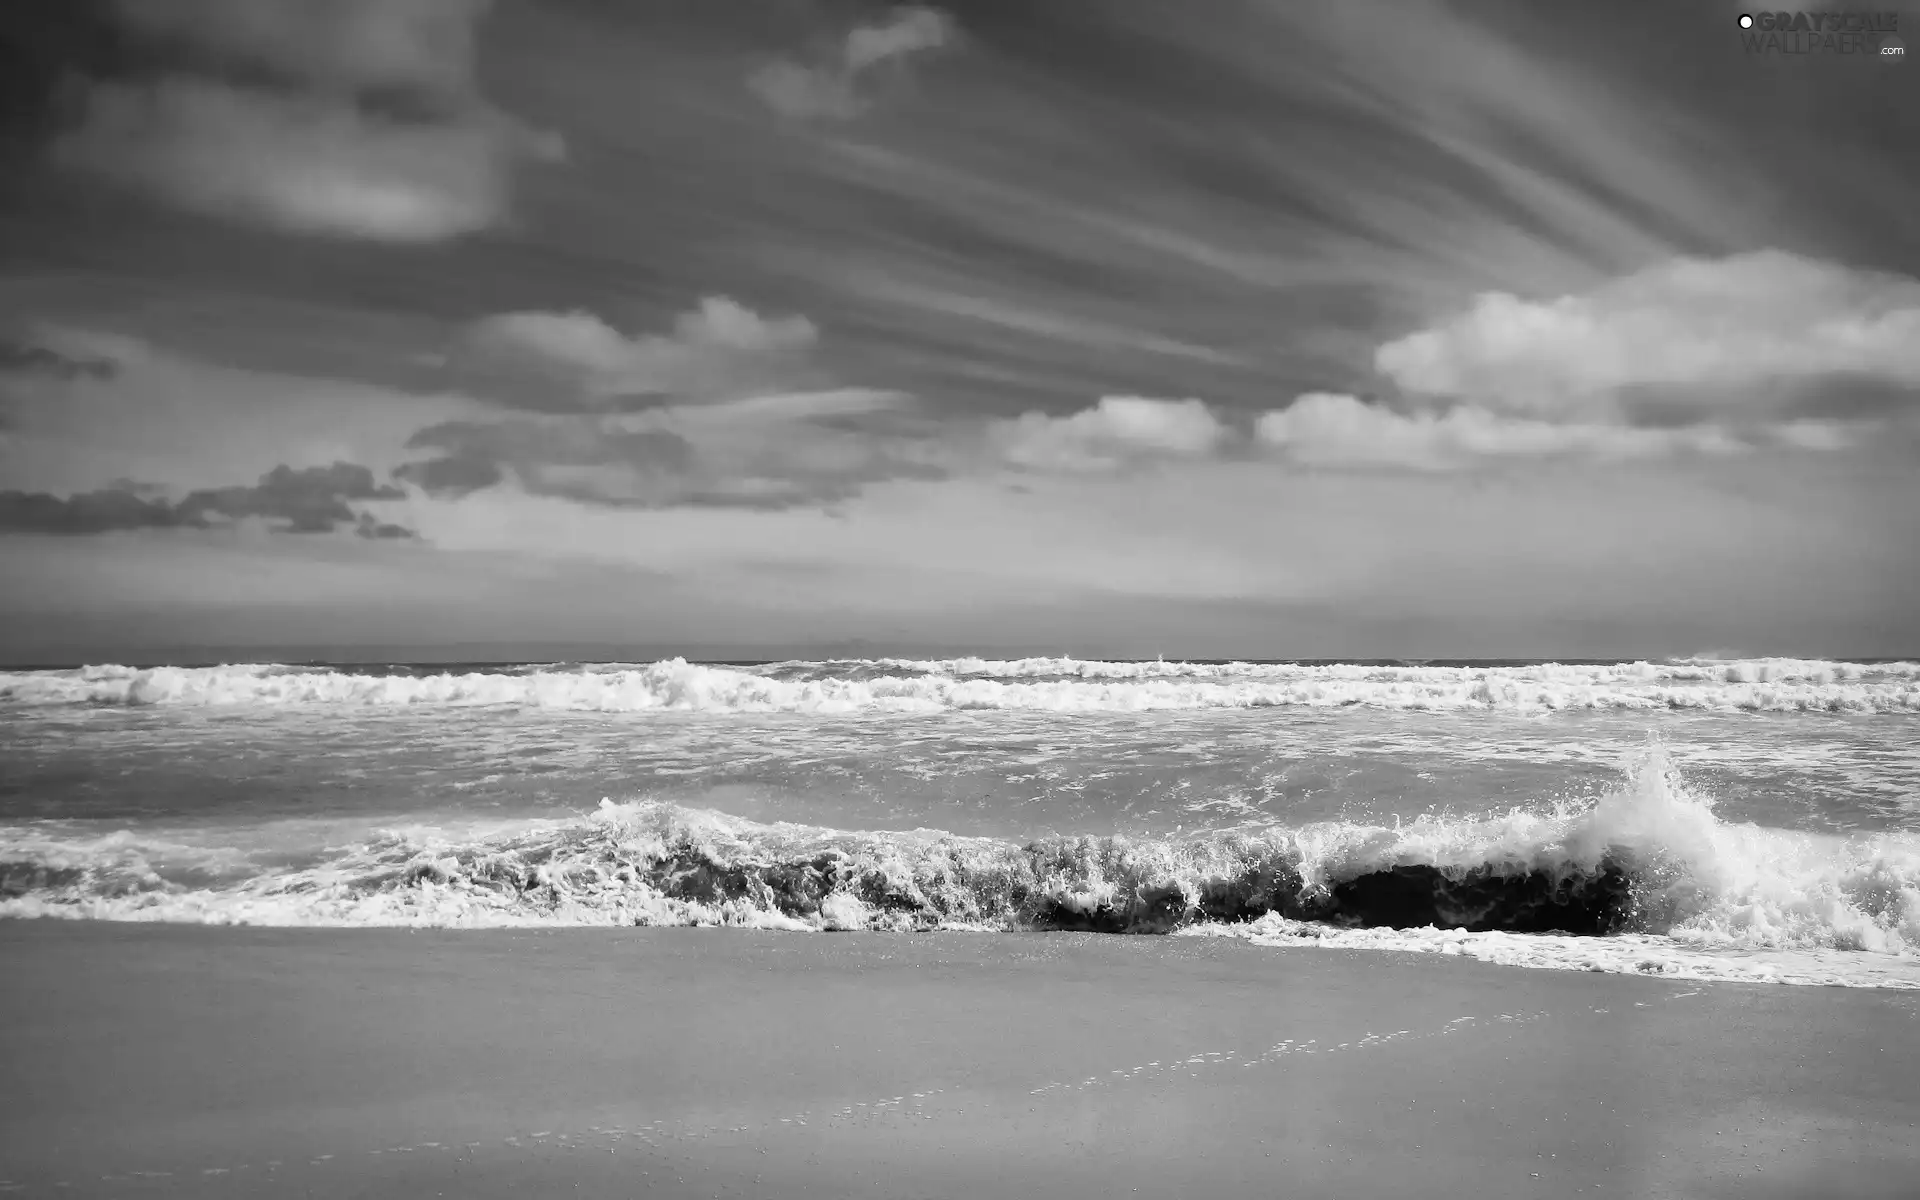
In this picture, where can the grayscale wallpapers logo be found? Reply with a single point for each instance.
(1865, 34)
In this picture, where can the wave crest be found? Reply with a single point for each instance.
(1647, 865)
(1044, 685)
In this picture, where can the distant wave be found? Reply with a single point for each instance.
(1044, 685)
(1756, 670)
(1644, 879)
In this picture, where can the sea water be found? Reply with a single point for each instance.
(1754, 819)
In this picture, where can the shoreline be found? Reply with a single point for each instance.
(1629, 955)
(671, 1062)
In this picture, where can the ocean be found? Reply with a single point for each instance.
(1700, 819)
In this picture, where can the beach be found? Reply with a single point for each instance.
(192, 1061)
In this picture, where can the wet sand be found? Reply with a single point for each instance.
(682, 1062)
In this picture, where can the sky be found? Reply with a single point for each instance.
(1253, 328)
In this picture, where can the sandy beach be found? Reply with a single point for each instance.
(167, 1060)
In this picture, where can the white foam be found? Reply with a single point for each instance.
(1756, 670)
(1046, 685)
(1621, 954)
(1716, 899)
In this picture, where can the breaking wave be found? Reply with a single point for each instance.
(1644, 879)
(1046, 685)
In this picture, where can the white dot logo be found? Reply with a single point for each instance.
(1746, 22)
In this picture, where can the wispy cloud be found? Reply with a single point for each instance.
(832, 88)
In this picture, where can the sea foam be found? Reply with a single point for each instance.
(1043, 685)
(1645, 879)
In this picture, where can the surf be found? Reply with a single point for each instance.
(1065, 686)
(1645, 871)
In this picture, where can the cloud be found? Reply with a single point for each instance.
(718, 347)
(152, 413)
(307, 500)
(1116, 431)
(309, 151)
(311, 500)
(831, 89)
(296, 163)
(908, 31)
(763, 452)
(690, 417)
(1733, 330)
(373, 529)
(462, 472)
(84, 512)
(1691, 355)
(719, 410)
(1323, 429)
(49, 358)
(96, 353)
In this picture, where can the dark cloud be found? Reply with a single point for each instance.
(358, 119)
(84, 512)
(376, 530)
(452, 476)
(312, 500)
(1852, 397)
(308, 500)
